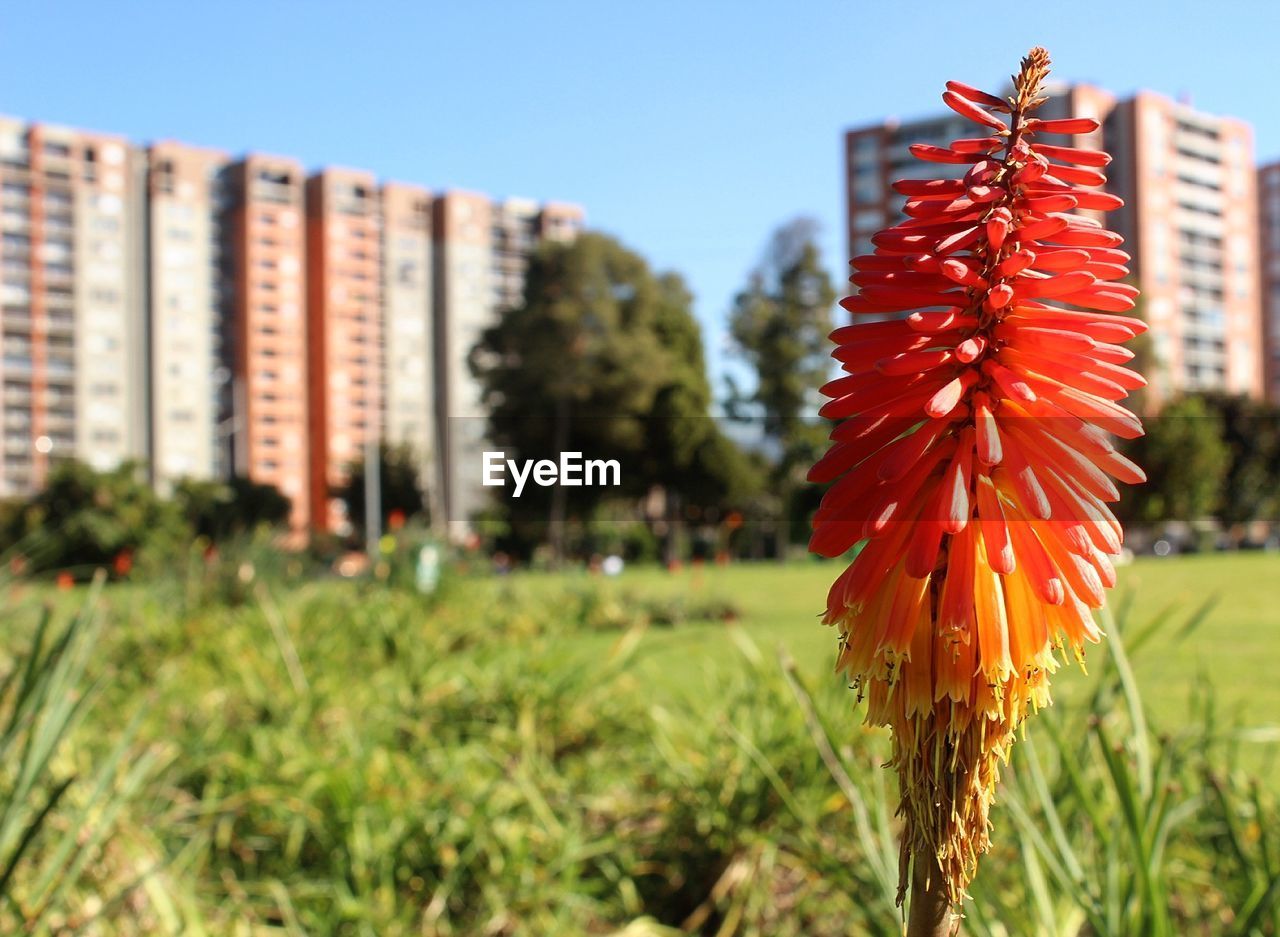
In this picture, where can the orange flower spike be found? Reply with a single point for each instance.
(972, 459)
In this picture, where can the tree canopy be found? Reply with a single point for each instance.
(780, 324)
(1186, 461)
(219, 510)
(604, 357)
(1251, 434)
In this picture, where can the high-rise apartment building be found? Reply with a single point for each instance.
(1269, 229)
(1190, 221)
(482, 250)
(268, 338)
(70, 284)
(344, 331)
(191, 418)
(213, 317)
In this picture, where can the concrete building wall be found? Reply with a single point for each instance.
(561, 221)
(1138, 176)
(1268, 186)
(109, 363)
(1192, 220)
(464, 287)
(16, 269)
(73, 336)
(516, 228)
(408, 327)
(1242, 299)
(187, 314)
(344, 322)
(269, 337)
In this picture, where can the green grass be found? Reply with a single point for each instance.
(519, 757)
(780, 606)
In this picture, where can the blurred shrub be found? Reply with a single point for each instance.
(219, 511)
(85, 519)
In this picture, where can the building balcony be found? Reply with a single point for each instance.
(1198, 146)
(1198, 221)
(1198, 171)
(1206, 253)
(17, 367)
(58, 395)
(274, 193)
(59, 324)
(1201, 275)
(16, 320)
(1206, 201)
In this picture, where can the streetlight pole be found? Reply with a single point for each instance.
(372, 495)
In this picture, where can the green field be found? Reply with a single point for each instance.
(779, 606)
(567, 754)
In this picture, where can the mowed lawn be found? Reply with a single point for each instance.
(1236, 648)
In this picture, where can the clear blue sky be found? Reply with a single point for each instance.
(689, 129)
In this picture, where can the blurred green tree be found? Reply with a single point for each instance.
(220, 510)
(1186, 461)
(1251, 433)
(780, 324)
(603, 357)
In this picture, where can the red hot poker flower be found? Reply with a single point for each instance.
(973, 460)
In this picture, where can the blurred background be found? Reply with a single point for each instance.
(277, 277)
